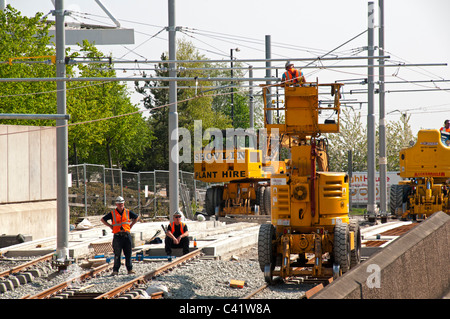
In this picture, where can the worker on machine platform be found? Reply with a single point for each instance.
(292, 76)
(445, 133)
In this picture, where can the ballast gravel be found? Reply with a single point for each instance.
(203, 278)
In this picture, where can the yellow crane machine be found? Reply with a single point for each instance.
(310, 233)
(426, 169)
(235, 164)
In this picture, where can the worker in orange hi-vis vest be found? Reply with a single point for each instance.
(292, 76)
(445, 133)
(177, 235)
(122, 221)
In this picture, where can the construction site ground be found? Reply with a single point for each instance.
(401, 260)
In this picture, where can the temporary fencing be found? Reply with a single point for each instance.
(93, 189)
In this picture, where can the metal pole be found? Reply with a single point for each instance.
(370, 119)
(382, 125)
(62, 197)
(18, 116)
(251, 101)
(232, 89)
(85, 189)
(104, 185)
(115, 62)
(173, 116)
(268, 75)
(350, 176)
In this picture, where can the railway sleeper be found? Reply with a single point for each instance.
(18, 279)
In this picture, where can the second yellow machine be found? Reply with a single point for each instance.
(310, 233)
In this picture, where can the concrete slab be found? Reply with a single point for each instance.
(215, 245)
(230, 236)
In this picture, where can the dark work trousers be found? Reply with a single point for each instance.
(184, 243)
(122, 241)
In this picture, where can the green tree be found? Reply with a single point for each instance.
(119, 140)
(193, 103)
(24, 40)
(398, 136)
(353, 136)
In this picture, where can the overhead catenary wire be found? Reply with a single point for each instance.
(151, 79)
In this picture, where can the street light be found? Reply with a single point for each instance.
(232, 89)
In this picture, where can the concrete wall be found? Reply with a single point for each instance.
(28, 180)
(415, 266)
(36, 219)
(27, 163)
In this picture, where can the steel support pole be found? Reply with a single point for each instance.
(371, 203)
(268, 75)
(62, 199)
(251, 100)
(15, 116)
(232, 89)
(173, 117)
(382, 125)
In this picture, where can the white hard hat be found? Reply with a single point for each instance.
(120, 200)
(178, 213)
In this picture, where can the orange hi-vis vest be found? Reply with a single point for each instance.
(121, 221)
(172, 228)
(292, 77)
(443, 129)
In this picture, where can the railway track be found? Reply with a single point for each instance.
(66, 290)
(89, 284)
(299, 288)
(23, 267)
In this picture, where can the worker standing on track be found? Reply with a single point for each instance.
(292, 76)
(177, 235)
(122, 222)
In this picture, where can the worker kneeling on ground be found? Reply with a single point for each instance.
(177, 235)
(122, 221)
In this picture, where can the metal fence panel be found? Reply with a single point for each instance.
(94, 188)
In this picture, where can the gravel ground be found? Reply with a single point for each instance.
(206, 279)
(203, 278)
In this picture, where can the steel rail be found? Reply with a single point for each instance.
(52, 291)
(256, 291)
(147, 277)
(21, 267)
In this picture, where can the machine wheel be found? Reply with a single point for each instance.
(266, 248)
(342, 246)
(355, 255)
(267, 204)
(209, 201)
(262, 210)
(218, 197)
(395, 199)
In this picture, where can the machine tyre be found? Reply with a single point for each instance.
(395, 199)
(262, 210)
(267, 204)
(218, 196)
(266, 253)
(209, 201)
(355, 255)
(342, 246)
